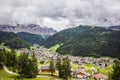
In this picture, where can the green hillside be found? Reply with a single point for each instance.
(31, 38)
(12, 40)
(87, 41)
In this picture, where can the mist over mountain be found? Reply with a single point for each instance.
(61, 14)
(30, 28)
(30, 33)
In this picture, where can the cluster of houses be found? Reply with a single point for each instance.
(44, 55)
(101, 62)
(41, 54)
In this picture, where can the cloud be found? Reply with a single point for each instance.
(60, 14)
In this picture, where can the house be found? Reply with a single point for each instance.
(100, 76)
(45, 69)
(80, 74)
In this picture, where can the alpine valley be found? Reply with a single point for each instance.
(38, 53)
(79, 41)
(59, 39)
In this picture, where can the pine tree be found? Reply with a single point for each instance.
(51, 66)
(27, 66)
(34, 59)
(11, 59)
(116, 70)
(59, 66)
(64, 68)
(2, 57)
(34, 66)
(23, 63)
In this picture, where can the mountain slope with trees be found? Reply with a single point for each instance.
(12, 40)
(87, 41)
(31, 38)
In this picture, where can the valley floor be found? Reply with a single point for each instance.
(5, 74)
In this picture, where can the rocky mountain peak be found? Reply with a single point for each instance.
(30, 28)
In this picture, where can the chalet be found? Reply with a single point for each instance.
(80, 74)
(100, 76)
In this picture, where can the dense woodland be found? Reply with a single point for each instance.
(12, 40)
(31, 38)
(87, 41)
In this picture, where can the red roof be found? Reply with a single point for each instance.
(100, 75)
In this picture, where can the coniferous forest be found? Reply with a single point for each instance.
(87, 41)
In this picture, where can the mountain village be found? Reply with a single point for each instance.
(79, 72)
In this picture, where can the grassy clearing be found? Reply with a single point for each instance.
(5, 76)
(75, 66)
(42, 78)
(54, 48)
(105, 70)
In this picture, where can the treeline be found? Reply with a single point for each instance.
(20, 40)
(31, 38)
(12, 40)
(87, 41)
(24, 65)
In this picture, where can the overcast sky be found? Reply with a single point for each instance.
(60, 14)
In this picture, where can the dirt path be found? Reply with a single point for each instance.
(9, 72)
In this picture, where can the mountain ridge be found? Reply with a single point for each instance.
(30, 28)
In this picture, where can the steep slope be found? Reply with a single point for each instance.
(87, 41)
(12, 40)
(31, 38)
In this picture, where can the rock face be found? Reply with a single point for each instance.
(31, 28)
